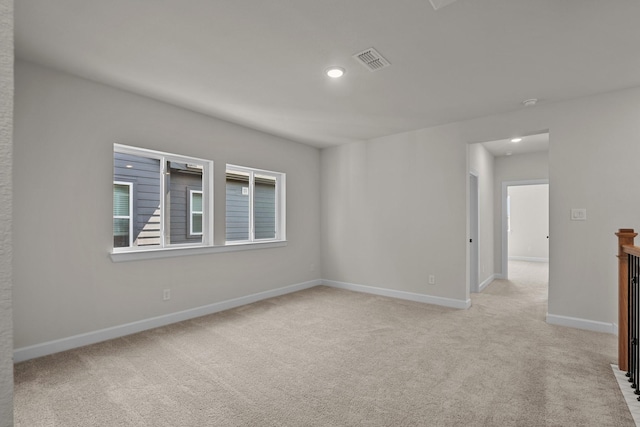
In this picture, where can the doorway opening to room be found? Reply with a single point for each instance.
(525, 226)
(494, 168)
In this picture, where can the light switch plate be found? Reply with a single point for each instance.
(578, 214)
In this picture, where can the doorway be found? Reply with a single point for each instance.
(525, 222)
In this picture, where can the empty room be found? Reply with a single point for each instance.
(295, 213)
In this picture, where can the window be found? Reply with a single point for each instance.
(255, 205)
(160, 200)
(195, 212)
(122, 213)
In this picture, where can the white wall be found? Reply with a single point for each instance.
(592, 162)
(529, 222)
(6, 130)
(520, 167)
(482, 163)
(392, 213)
(65, 281)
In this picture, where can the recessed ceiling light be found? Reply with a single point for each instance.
(530, 102)
(516, 140)
(334, 72)
(508, 153)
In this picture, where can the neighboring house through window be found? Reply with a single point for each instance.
(168, 196)
(164, 200)
(255, 205)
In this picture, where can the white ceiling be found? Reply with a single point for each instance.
(260, 63)
(529, 144)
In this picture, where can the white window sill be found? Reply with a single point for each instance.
(191, 250)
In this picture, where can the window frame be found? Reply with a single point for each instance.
(280, 204)
(130, 217)
(207, 199)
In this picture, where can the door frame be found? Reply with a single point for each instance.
(474, 232)
(505, 235)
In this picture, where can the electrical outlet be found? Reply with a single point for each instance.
(166, 295)
(312, 267)
(432, 279)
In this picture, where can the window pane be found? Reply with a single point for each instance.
(196, 202)
(237, 206)
(121, 200)
(182, 180)
(196, 223)
(264, 207)
(165, 199)
(145, 173)
(121, 227)
(120, 232)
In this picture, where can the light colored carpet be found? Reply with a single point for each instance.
(328, 357)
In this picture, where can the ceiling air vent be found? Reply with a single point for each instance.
(371, 59)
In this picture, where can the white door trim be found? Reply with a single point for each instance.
(474, 231)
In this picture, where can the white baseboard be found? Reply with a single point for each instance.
(589, 325)
(526, 258)
(428, 299)
(50, 347)
(486, 283)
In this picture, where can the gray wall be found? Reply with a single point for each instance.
(394, 212)
(65, 281)
(6, 129)
(375, 233)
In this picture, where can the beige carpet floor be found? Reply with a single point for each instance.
(329, 357)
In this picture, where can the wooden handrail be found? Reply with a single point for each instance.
(626, 238)
(631, 250)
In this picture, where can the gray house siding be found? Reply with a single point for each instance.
(237, 208)
(264, 205)
(181, 181)
(145, 177)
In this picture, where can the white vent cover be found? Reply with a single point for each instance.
(437, 4)
(371, 59)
